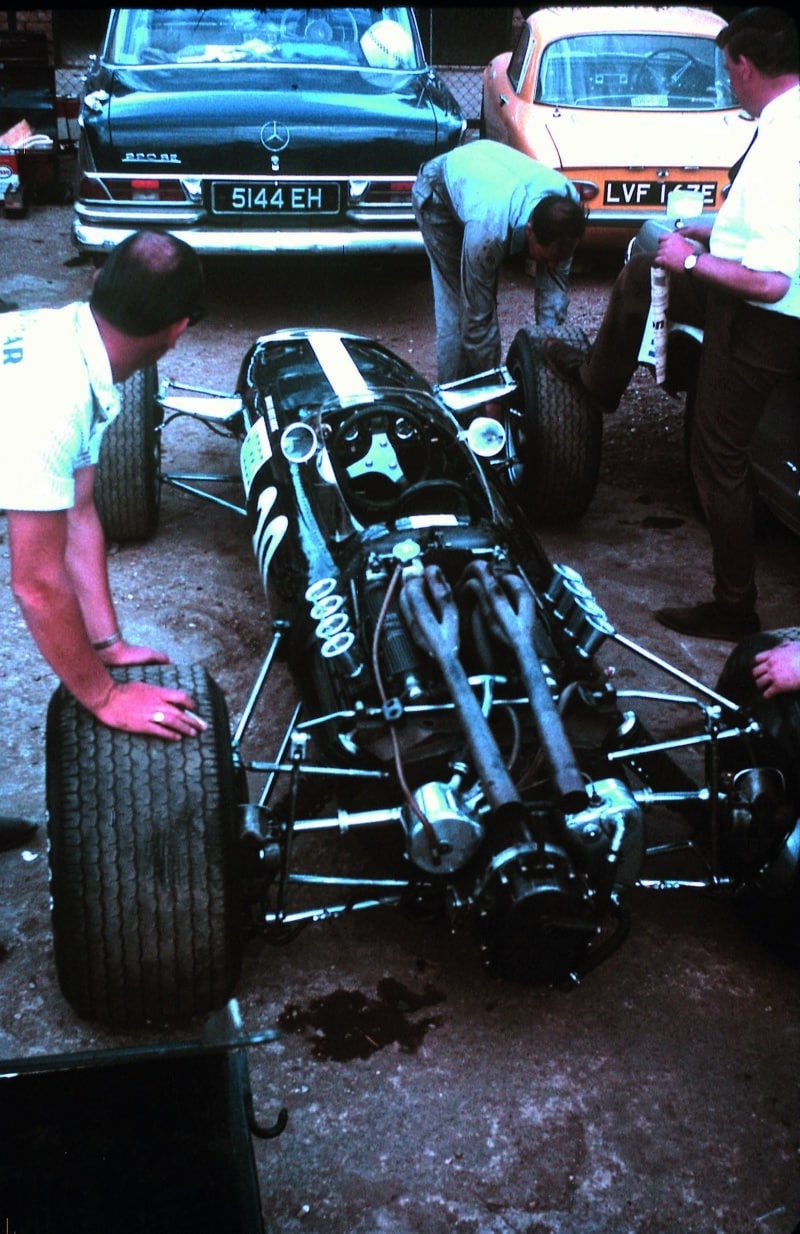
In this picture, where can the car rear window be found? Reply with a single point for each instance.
(640, 70)
(376, 38)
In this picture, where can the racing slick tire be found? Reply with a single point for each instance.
(771, 900)
(144, 861)
(127, 486)
(554, 432)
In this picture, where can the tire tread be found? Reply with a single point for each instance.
(145, 887)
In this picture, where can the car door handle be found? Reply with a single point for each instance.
(503, 100)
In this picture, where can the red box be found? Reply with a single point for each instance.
(8, 168)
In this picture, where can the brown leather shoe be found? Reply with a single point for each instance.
(565, 360)
(709, 621)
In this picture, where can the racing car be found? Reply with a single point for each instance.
(456, 719)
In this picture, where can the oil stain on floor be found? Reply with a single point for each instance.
(347, 1024)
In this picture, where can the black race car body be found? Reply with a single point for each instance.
(407, 590)
(455, 709)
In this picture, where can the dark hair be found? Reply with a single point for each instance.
(558, 219)
(149, 281)
(767, 36)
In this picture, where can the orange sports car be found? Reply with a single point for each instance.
(628, 102)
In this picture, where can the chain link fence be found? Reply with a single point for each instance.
(466, 82)
(69, 82)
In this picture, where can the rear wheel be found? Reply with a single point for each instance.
(144, 861)
(556, 435)
(127, 486)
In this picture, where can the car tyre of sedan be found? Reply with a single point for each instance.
(144, 860)
(127, 487)
(556, 434)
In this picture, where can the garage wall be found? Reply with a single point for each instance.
(455, 35)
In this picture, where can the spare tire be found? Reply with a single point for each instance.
(144, 861)
(556, 436)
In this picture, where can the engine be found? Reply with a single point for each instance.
(434, 661)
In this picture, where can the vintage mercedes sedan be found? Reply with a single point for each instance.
(630, 102)
(260, 130)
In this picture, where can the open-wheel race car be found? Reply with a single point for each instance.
(453, 709)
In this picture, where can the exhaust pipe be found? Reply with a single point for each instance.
(508, 604)
(429, 609)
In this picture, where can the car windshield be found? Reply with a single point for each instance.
(642, 71)
(377, 38)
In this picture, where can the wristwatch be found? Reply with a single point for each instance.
(690, 262)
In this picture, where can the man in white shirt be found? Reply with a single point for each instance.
(58, 373)
(743, 287)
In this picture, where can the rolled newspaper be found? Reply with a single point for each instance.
(654, 340)
(659, 296)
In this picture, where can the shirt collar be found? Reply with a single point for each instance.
(781, 106)
(98, 365)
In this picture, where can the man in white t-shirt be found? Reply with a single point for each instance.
(59, 369)
(743, 287)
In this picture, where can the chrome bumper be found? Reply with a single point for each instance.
(626, 220)
(92, 238)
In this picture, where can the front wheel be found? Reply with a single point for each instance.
(556, 436)
(127, 484)
(144, 861)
